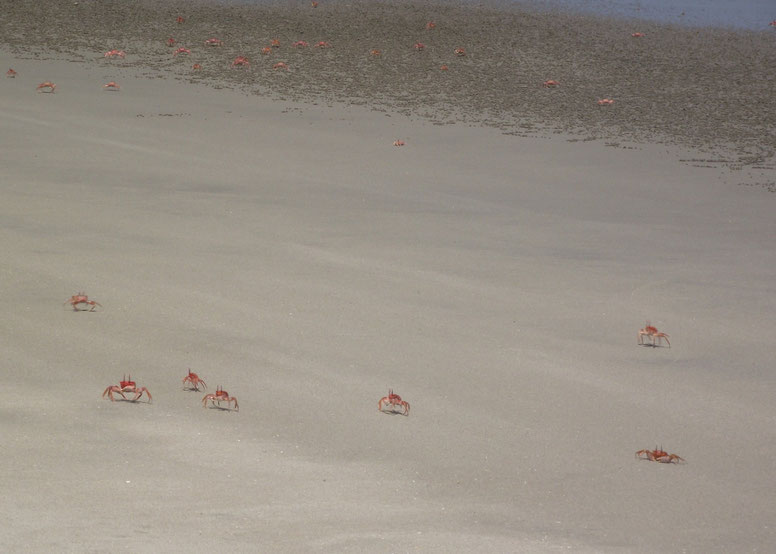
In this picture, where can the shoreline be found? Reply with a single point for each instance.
(703, 89)
(687, 15)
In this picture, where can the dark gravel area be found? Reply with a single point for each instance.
(712, 89)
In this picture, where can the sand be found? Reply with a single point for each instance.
(281, 247)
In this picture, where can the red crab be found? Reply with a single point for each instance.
(47, 85)
(115, 54)
(652, 333)
(214, 42)
(81, 298)
(220, 396)
(551, 83)
(127, 385)
(10, 73)
(194, 381)
(181, 50)
(111, 86)
(241, 61)
(659, 455)
(394, 400)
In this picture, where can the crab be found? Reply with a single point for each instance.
(394, 400)
(323, 44)
(637, 35)
(460, 52)
(551, 83)
(300, 44)
(115, 54)
(194, 381)
(398, 142)
(430, 25)
(280, 65)
(221, 396)
(241, 61)
(81, 298)
(10, 73)
(181, 50)
(127, 385)
(375, 52)
(47, 85)
(605, 102)
(419, 46)
(170, 41)
(214, 42)
(653, 334)
(111, 86)
(275, 43)
(659, 455)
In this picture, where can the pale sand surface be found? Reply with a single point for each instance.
(291, 254)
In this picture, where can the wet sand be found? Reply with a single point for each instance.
(706, 88)
(260, 228)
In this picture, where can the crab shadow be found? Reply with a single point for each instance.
(130, 401)
(221, 408)
(394, 413)
(649, 345)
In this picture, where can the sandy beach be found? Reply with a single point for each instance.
(259, 227)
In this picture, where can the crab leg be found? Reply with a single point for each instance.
(110, 390)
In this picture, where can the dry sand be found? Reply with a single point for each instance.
(289, 253)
